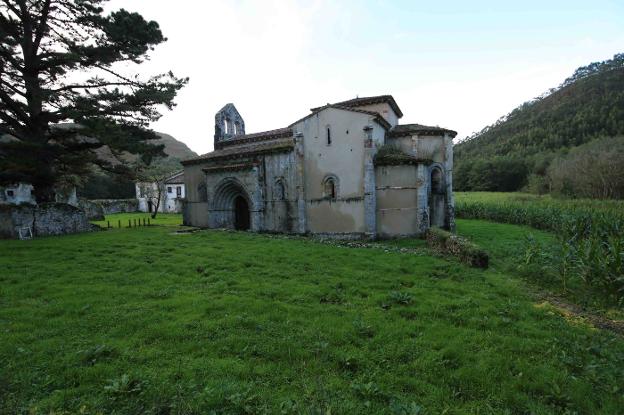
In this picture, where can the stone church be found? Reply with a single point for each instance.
(347, 169)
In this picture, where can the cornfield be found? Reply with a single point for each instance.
(589, 234)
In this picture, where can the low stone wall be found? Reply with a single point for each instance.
(110, 206)
(93, 210)
(450, 244)
(44, 220)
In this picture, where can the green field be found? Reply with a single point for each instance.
(146, 320)
(615, 207)
(585, 259)
(121, 219)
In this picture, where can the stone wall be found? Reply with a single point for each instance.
(44, 220)
(94, 211)
(110, 206)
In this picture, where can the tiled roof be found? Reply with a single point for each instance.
(245, 149)
(247, 138)
(177, 177)
(381, 120)
(359, 102)
(410, 129)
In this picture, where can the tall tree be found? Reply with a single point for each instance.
(69, 85)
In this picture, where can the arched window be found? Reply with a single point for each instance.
(280, 191)
(330, 188)
(237, 128)
(437, 185)
(329, 138)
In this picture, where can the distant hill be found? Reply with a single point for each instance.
(504, 156)
(175, 148)
(107, 186)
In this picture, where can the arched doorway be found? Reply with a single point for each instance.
(230, 206)
(241, 214)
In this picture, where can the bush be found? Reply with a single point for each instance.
(463, 249)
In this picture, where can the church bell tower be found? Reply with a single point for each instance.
(228, 124)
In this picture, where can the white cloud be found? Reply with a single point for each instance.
(276, 59)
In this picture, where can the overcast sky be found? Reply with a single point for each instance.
(454, 63)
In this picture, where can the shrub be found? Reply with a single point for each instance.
(401, 297)
(449, 244)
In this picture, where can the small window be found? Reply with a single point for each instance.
(169, 189)
(280, 192)
(237, 128)
(10, 193)
(329, 138)
(179, 191)
(329, 188)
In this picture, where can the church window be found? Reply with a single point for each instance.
(329, 138)
(280, 192)
(436, 181)
(330, 188)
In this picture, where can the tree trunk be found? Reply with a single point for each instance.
(159, 195)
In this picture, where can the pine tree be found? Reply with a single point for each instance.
(69, 85)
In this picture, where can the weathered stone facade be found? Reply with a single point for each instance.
(321, 175)
(110, 206)
(44, 220)
(228, 123)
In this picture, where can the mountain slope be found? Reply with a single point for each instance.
(586, 106)
(175, 148)
(108, 186)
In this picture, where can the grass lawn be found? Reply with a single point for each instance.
(148, 321)
(166, 219)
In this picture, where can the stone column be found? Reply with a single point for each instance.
(449, 217)
(370, 195)
(257, 201)
(300, 170)
(422, 195)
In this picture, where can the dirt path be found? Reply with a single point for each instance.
(576, 311)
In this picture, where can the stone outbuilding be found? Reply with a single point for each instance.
(347, 169)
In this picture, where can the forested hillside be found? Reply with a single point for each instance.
(102, 185)
(519, 149)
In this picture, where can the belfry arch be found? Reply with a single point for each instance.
(228, 124)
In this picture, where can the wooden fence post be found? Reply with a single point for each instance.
(129, 223)
(119, 223)
(108, 224)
